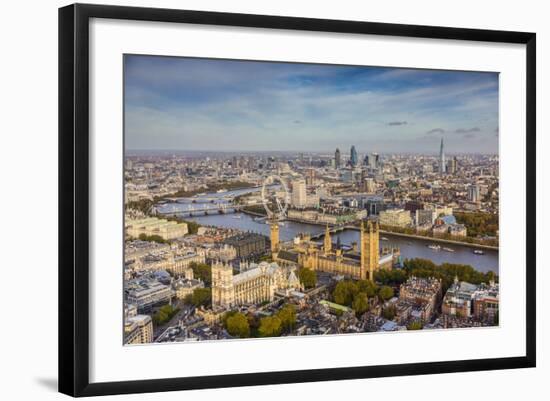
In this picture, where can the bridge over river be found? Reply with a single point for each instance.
(198, 209)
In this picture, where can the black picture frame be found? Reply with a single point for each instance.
(74, 198)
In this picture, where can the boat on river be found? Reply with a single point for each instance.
(448, 249)
(434, 247)
(384, 239)
(479, 252)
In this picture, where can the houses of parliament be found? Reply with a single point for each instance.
(259, 283)
(360, 262)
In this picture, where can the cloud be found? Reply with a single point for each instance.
(467, 130)
(469, 136)
(435, 131)
(178, 103)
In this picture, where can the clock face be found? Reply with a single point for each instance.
(275, 197)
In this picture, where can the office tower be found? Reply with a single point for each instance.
(310, 178)
(353, 156)
(337, 158)
(452, 166)
(299, 195)
(372, 160)
(442, 167)
(473, 193)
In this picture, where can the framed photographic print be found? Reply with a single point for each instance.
(250, 199)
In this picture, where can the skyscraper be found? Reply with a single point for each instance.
(442, 166)
(353, 156)
(299, 194)
(474, 193)
(452, 166)
(337, 158)
(371, 160)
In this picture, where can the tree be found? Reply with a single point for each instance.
(344, 292)
(192, 227)
(389, 312)
(287, 315)
(254, 323)
(415, 325)
(188, 299)
(142, 205)
(478, 223)
(368, 287)
(152, 238)
(491, 276)
(307, 277)
(447, 272)
(202, 271)
(237, 325)
(201, 297)
(360, 303)
(164, 314)
(385, 293)
(390, 277)
(270, 327)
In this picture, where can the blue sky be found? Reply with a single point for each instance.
(226, 105)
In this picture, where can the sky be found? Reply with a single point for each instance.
(177, 103)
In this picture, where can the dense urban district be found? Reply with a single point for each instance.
(189, 280)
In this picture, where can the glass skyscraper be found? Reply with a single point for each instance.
(353, 156)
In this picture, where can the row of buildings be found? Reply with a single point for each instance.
(316, 216)
(150, 226)
(469, 300)
(437, 221)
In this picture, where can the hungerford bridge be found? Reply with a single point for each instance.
(199, 209)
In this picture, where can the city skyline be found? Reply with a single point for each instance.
(188, 104)
(435, 152)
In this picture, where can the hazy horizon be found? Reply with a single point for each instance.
(177, 104)
(344, 152)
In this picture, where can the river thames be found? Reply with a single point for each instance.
(409, 247)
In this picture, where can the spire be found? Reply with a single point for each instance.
(442, 166)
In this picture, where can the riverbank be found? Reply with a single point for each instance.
(410, 248)
(251, 213)
(441, 240)
(413, 236)
(212, 189)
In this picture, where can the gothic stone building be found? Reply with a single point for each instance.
(359, 264)
(247, 244)
(257, 284)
